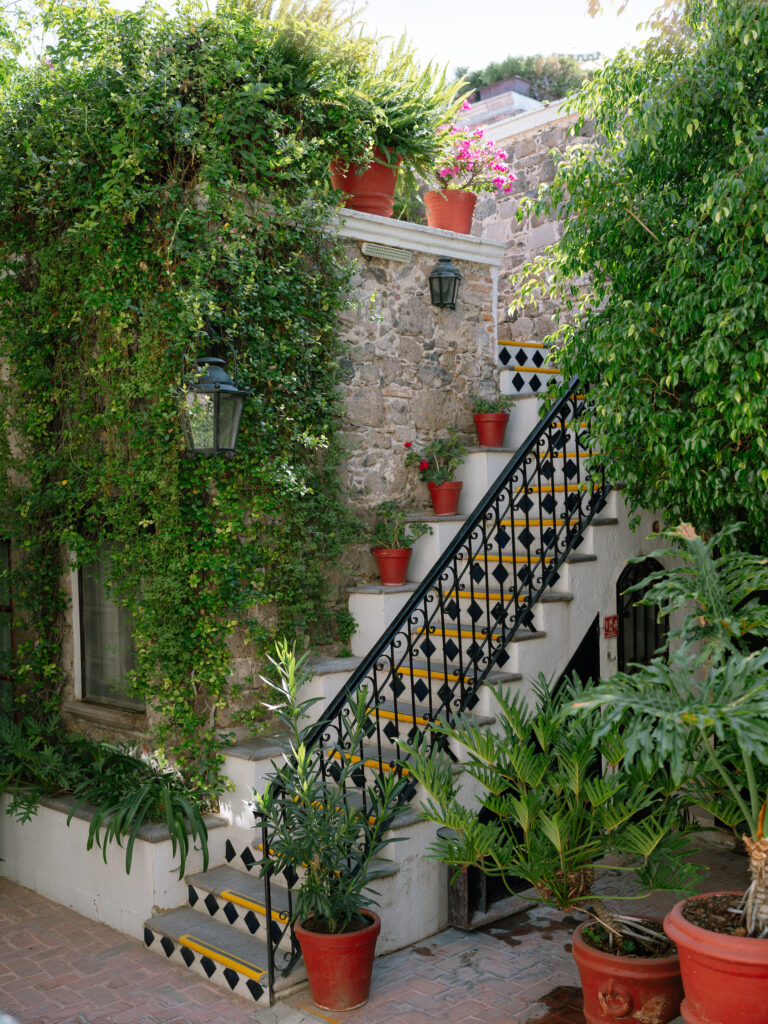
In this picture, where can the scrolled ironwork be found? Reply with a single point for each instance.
(481, 592)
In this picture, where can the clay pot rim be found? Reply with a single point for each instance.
(631, 961)
(714, 944)
(491, 415)
(389, 551)
(446, 483)
(342, 938)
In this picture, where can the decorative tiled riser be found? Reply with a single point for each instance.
(226, 977)
(51, 858)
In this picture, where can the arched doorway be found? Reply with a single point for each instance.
(641, 633)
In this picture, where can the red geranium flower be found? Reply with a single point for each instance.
(423, 465)
(408, 444)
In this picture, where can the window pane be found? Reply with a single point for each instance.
(108, 650)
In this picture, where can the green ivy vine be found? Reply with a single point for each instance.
(160, 176)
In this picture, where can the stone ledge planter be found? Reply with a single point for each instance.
(50, 857)
(725, 977)
(638, 990)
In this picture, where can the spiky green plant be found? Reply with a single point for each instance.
(553, 817)
(314, 827)
(705, 705)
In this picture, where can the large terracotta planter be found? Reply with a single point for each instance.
(725, 977)
(339, 967)
(393, 565)
(368, 189)
(638, 990)
(445, 497)
(450, 210)
(491, 427)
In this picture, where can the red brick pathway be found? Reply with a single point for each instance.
(59, 968)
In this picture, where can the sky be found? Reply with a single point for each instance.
(472, 33)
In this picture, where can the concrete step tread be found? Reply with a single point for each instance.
(421, 668)
(404, 711)
(469, 634)
(221, 943)
(242, 889)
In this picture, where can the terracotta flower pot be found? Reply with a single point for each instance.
(339, 967)
(640, 990)
(725, 977)
(393, 565)
(445, 497)
(451, 210)
(491, 427)
(368, 189)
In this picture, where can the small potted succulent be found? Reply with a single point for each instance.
(555, 804)
(316, 833)
(491, 418)
(436, 464)
(705, 702)
(393, 539)
(469, 164)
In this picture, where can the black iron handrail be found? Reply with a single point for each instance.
(481, 590)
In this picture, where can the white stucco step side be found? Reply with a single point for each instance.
(51, 858)
(402, 234)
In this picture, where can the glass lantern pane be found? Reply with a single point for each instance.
(230, 411)
(200, 415)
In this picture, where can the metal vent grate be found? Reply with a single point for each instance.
(386, 252)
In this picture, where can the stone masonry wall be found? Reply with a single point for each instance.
(531, 159)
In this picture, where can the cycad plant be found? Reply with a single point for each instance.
(705, 706)
(558, 804)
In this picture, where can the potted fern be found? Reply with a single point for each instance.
(706, 704)
(491, 417)
(552, 819)
(436, 463)
(316, 832)
(393, 539)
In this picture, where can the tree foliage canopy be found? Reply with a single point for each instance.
(666, 216)
(163, 177)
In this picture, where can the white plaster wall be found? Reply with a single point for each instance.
(51, 858)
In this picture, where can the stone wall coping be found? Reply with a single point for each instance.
(402, 234)
(512, 128)
(149, 832)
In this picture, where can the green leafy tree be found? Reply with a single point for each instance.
(551, 77)
(666, 215)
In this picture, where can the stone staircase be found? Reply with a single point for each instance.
(222, 932)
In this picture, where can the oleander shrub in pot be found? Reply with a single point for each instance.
(316, 830)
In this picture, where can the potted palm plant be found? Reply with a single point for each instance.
(551, 819)
(706, 704)
(436, 463)
(317, 832)
(469, 163)
(491, 417)
(393, 539)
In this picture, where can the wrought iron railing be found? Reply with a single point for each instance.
(457, 626)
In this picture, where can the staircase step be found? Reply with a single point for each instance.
(400, 714)
(218, 952)
(234, 898)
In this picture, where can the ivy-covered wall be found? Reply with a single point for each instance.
(164, 190)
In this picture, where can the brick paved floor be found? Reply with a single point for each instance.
(59, 968)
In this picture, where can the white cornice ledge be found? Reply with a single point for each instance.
(523, 124)
(367, 227)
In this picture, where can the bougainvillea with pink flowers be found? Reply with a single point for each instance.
(472, 163)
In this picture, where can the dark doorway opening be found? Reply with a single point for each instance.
(641, 632)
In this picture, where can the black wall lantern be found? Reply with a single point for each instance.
(211, 406)
(444, 283)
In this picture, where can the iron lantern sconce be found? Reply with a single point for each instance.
(444, 283)
(211, 406)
